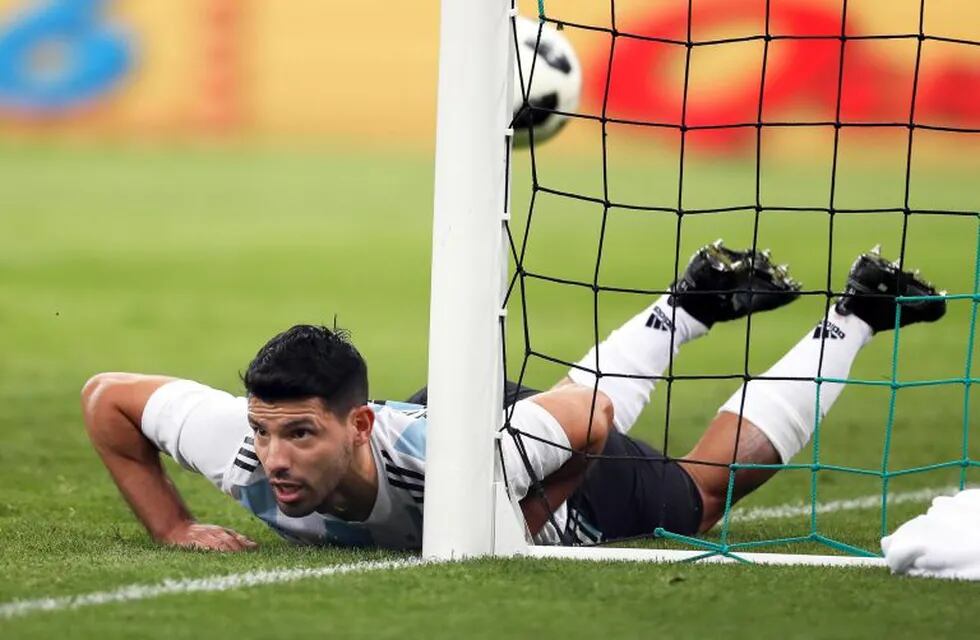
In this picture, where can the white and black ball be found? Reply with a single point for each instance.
(555, 84)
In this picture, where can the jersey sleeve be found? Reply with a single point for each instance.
(199, 427)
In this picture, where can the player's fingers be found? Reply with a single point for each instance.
(199, 544)
(239, 542)
(216, 540)
(242, 539)
(213, 538)
(245, 542)
(228, 542)
(195, 540)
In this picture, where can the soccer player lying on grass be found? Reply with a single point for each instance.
(308, 454)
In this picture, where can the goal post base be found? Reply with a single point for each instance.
(510, 536)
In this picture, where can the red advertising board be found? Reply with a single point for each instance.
(803, 71)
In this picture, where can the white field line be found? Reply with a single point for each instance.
(133, 592)
(852, 504)
(255, 578)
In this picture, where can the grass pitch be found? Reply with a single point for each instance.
(185, 261)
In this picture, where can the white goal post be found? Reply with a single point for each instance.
(468, 267)
(467, 512)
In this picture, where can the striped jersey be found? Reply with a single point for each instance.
(395, 522)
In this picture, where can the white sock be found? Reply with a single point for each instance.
(642, 346)
(785, 410)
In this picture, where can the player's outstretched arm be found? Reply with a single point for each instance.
(112, 405)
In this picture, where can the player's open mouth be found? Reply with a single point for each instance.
(287, 492)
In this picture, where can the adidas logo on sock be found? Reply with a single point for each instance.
(658, 320)
(828, 330)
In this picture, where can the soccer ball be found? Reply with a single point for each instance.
(556, 82)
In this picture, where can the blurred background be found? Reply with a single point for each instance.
(330, 72)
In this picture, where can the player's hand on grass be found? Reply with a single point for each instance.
(208, 537)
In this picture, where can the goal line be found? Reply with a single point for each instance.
(136, 592)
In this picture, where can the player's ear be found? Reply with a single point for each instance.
(362, 419)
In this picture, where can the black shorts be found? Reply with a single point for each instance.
(625, 498)
(629, 494)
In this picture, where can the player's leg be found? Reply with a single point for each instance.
(713, 288)
(551, 438)
(630, 490)
(769, 421)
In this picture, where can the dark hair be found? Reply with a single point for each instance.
(308, 361)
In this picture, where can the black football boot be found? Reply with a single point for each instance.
(721, 284)
(872, 286)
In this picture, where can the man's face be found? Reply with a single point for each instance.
(305, 449)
